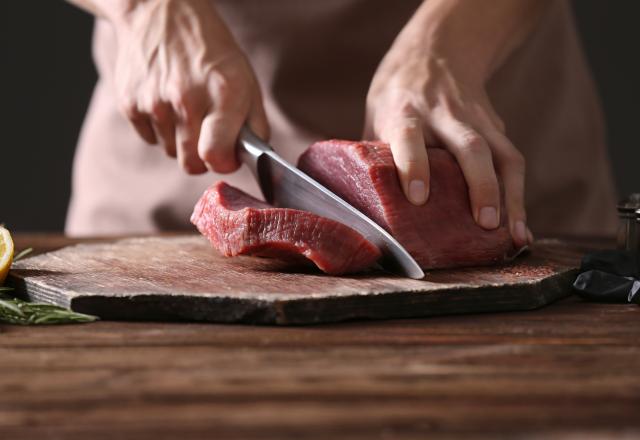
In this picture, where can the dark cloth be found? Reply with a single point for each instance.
(609, 276)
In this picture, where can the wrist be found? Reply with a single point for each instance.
(121, 13)
(473, 66)
(472, 39)
(446, 40)
(438, 51)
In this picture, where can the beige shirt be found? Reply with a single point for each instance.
(314, 61)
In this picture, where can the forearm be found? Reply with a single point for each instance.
(109, 9)
(473, 36)
(122, 12)
(151, 20)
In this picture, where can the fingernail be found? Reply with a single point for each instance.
(417, 192)
(530, 237)
(520, 232)
(488, 217)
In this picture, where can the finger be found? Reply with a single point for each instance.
(511, 165)
(141, 124)
(474, 157)
(367, 131)
(488, 116)
(406, 139)
(187, 134)
(221, 125)
(217, 144)
(188, 107)
(164, 125)
(258, 119)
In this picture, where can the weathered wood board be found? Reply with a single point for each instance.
(183, 278)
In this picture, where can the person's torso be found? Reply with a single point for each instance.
(315, 60)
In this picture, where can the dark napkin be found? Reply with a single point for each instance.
(609, 276)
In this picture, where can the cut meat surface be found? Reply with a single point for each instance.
(238, 224)
(439, 234)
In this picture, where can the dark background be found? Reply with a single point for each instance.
(47, 77)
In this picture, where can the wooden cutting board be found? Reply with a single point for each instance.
(183, 278)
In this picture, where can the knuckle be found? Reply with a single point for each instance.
(409, 128)
(232, 100)
(472, 143)
(403, 102)
(452, 106)
(415, 165)
(224, 87)
(408, 109)
(515, 161)
(188, 103)
(487, 188)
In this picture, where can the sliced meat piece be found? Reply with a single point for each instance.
(439, 234)
(237, 224)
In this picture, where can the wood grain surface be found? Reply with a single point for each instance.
(183, 278)
(567, 371)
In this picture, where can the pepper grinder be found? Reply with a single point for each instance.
(629, 223)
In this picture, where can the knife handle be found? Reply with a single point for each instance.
(250, 147)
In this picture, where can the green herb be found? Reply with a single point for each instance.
(16, 311)
(23, 253)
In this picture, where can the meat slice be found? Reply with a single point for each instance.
(439, 234)
(237, 224)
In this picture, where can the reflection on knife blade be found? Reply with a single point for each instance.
(286, 186)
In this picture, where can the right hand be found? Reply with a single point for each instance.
(181, 79)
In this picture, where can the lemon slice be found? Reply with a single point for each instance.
(6, 253)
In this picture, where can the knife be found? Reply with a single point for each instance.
(286, 186)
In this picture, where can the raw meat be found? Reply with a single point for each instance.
(238, 224)
(439, 234)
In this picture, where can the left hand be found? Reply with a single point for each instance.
(425, 93)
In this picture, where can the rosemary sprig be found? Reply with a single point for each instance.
(23, 253)
(16, 311)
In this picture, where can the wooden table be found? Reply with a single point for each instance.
(565, 371)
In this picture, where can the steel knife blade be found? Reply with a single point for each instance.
(284, 185)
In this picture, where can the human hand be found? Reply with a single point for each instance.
(426, 93)
(181, 79)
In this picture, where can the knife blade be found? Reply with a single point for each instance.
(284, 185)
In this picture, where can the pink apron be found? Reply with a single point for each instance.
(314, 61)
